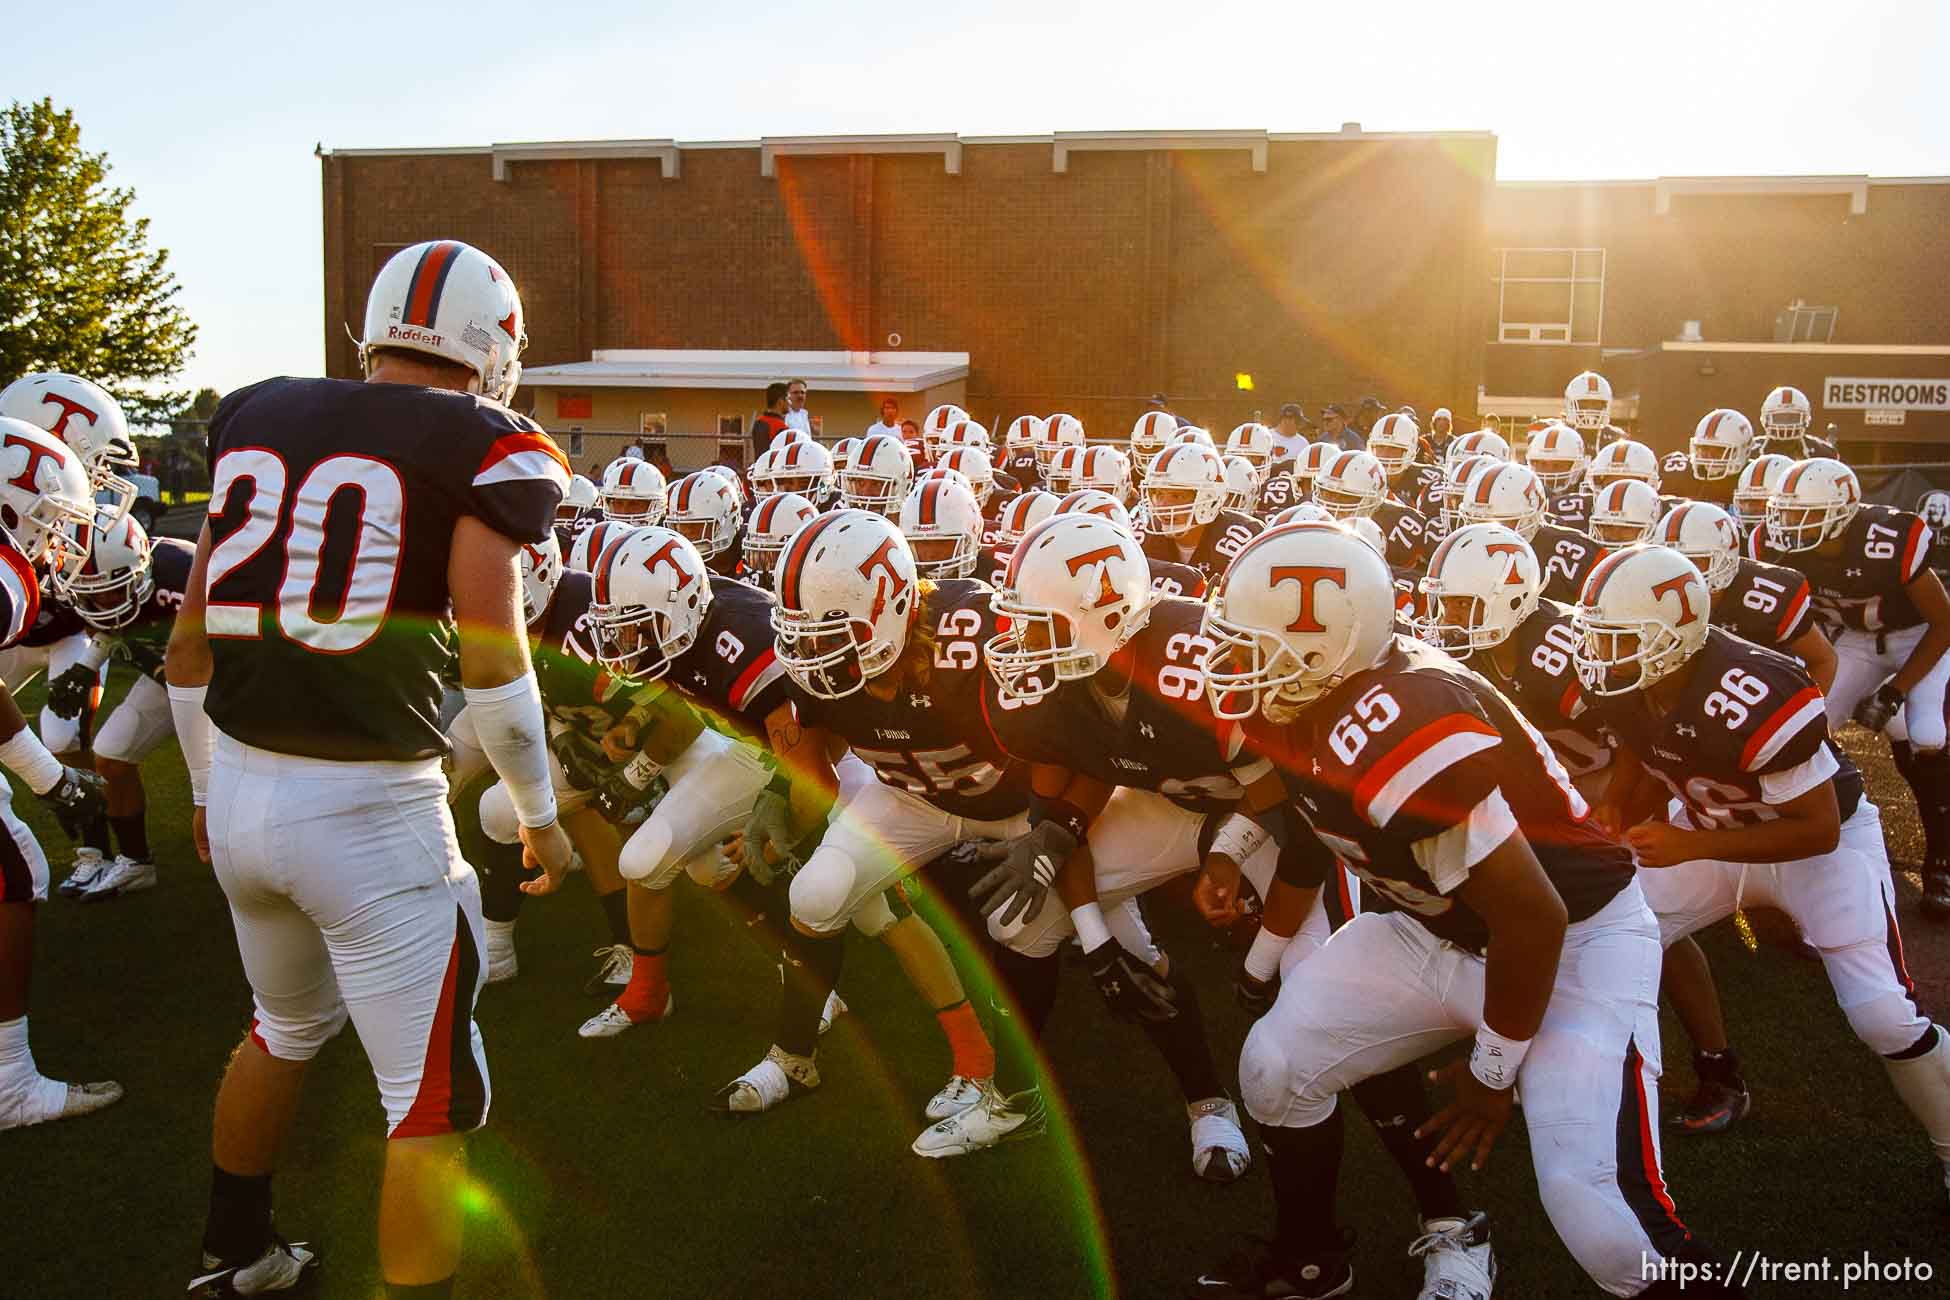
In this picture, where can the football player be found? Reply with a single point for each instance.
(1149, 436)
(1757, 483)
(1167, 577)
(1515, 921)
(1868, 566)
(1765, 808)
(1054, 434)
(1017, 518)
(943, 526)
(1353, 485)
(577, 511)
(1767, 604)
(43, 489)
(705, 510)
(1556, 455)
(1709, 469)
(878, 477)
(1395, 443)
(1019, 459)
(1587, 403)
(1624, 511)
(633, 492)
(1787, 427)
(774, 520)
(327, 817)
(1059, 475)
(1184, 521)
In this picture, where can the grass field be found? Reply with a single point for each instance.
(601, 1173)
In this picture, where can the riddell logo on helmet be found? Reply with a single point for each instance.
(413, 334)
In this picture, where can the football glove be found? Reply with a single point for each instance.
(585, 766)
(1876, 711)
(77, 799)
(67, 695)
(769, 825)
(1131, 989)
(1017, 890)
(1254, 995)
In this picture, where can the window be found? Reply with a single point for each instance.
(1799, 324)
(1549, 295)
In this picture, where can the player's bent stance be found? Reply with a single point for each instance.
(351, 525)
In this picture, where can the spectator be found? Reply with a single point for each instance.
(796, 414)
(890, 422)
(1365, 415)
(660, 457)
(1334, 429)
(1287, 437)
(633, 452)
(773, 422)
(1158, 403)
(910, 433)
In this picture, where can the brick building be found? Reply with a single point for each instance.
(1085, 271)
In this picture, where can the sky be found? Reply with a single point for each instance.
(211, 111)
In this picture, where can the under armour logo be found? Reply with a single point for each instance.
(920, 701)
(701, 680)
(1685, 730)
(1146, 730)
(1852, 573)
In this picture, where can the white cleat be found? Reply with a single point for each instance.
(1219, 1150)
(502, 962)
(42, 1100)
(1456, 1259)
(956, 1096)
(123, 876)
(615, 961)
(282, 1266)
(613, 1020)
(88, 864)
(833, 1010)
(780, 1077)
(990, 1122)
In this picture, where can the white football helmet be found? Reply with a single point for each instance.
(843, 453)
(1023, 433)
(1300, 608)
(115, 579)
(1393, 442)
(1191, 433)
(1587, 401)
(1706, 535)
(1090, 501)
(651, 592)
(1304, 512)
(1623, 512)
(879, 477)
(541, 571)
(88, 419)
(1077, 588)
(1625, 459)
(935, 427)
(1057, 432)
(772, 525)
(1481, 585)
(1148, 437)
(972, 463)
(1184, 489)
(1456, 477)
(633, 492)
(44, 493)
(450, 300)
(577, 501)
(1023, 513)
(732, 479)
(1785, 414)
(1556, 453)
(1644, 607)
(760, 472)
(1059, 475)
(1351, 485)
(846, 590)
(1721, 443)
(1757, 483)
(1509, 495)
(592, 541)
(706, 511)
(1254, 442)
(1308, 464)
(1812, 504)
(1242, 484)
(966, 433)
(943, 525)
(1106, 469)
(787, 436)
(802, 467)
(1482, 442)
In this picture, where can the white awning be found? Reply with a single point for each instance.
(841, 372)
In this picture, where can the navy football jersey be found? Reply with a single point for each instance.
(933, 739)
(1749, 730)
(1570, 510)
(732, 673)
(332, 511)
(567, 532)
(1021, 466)
(20, 597)
(1221, 539)
(1279, 491)
(1544, 687)
(1566, 558)
(1412, 771)
(1767, 604)
(1170, 578)
(1160, 736)
(580, 700)
(1677, 481)
(1414, 484)
(1407, 533)
(54, 620)
(1862, 586)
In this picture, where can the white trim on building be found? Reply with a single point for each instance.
(839, 372)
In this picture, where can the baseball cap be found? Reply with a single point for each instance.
(1292, 409)
(1333, 408)
(1158, 399)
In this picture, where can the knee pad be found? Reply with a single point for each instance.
(60, 735)
(290, 1039)
(1267, 1086)
(822, 892)
(643, 859)
(1889, 1023)
(498, 820)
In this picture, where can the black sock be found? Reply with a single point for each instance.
(423, 1291)
(811, 972)
(1911, 767)
(1181, 1041)
(1718, 1067)
(132, 835)
(239, 1224)
(1030, 984)
(616, 910)
(1932, 787)
(760, 907)
(94, 835)
(498, 865)
(1304, 1165)
(1396, 1104)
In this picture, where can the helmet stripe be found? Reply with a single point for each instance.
(796, 560)
(930, 500)
(1712, 423)
(428, 282)
(1484, 483)
(1794, 476)
(1595, 584)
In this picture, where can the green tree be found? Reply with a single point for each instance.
(80, 289)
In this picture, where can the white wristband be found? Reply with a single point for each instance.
(1092, 933)
(196, 735)
(1495, 1059)
(95, 652)
(27, 758)
(1263, 958)
(508, 721)
(1239, 837)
